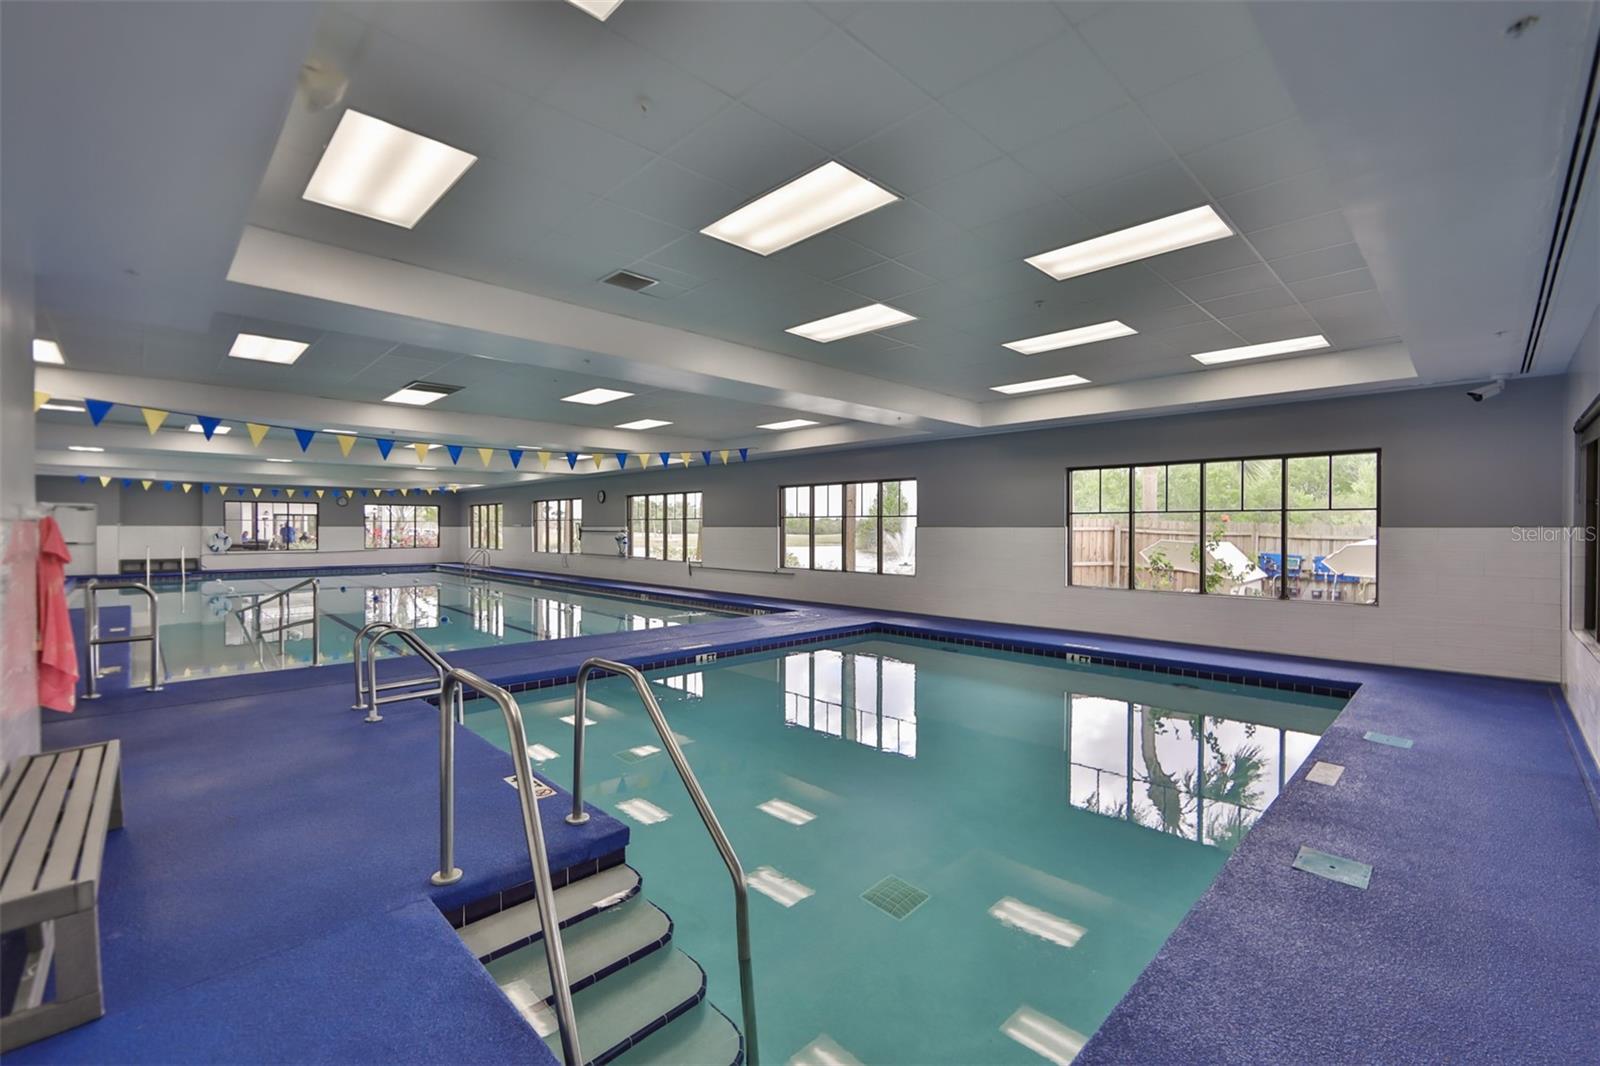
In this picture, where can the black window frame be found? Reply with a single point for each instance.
(256, 506)
(486, 526)
(416, 522)
(566, 524)
(844, 557)
(639, 546)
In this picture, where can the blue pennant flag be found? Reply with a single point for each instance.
(98, 409)
(363, 492)
(208, 425)
(166, 486)
(127, 482)
(622, 460)
(304, 437)
(242, 490)
(205, 488)
(666, 458)
(516, 457)
(384, 446)
(705, 457)
(572, 460)
(455, 453)
(82, 478)
(744, 455)
(274, 492)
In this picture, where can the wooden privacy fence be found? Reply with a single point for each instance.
(1100, 557)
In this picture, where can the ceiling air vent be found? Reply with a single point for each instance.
(627, 279)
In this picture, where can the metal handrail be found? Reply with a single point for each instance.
(92, 628)
(472, 558)
(284, 624)
(741, 903)
(371, 696)
(533, 832)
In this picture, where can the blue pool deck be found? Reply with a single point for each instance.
(269, 900)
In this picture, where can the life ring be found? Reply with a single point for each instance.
(219, 541)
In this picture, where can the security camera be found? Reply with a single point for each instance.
(1484, 392)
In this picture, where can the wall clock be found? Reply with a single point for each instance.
(600, 497)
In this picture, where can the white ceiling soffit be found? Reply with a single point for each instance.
(1447, 139)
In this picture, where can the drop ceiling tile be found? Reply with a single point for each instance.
(941, 46)
(1091, 153)
(828, 256)
(958, 259)
(923, 150)
(1350, 321)
(1329, 285)
(885, 281)
(746, 151)
(669, 193)
(1228, 283)
(836, 94)
(1260, 158)
(1245, 302)
(523, 46)
(495, 206)
(706, 257)
(1151, 320)
(1195, 337)
(1149, 46)
(1224, 102)
(628, 92)
(992, 192)
(1273, 324)
(577, 152)
(1283, 201)
(1210, 258)
(616, 229)
(1162, 190)
(730, 46)
(901, 228)
(1302, 235)
(1320, 263)
(1040, 94)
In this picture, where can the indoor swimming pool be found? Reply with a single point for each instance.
(905, 891)
(210, 626)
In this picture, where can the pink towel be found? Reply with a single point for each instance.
(58, 655)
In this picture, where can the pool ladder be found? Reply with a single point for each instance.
(477, 560)
(285, 623)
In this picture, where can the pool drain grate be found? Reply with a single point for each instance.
(1333, 868)
(895, 897)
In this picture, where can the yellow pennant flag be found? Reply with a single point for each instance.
(486, 454)
(724, 457)
(40, 399)
(147, 484)
(544, 460)
(257, 491)
(105, 479)
(153, 417)
(422, 452)
(346, 442)
(222, 489)
(187, 485)
(597, 462)
(256, 431)
(685, 457)
(321, 491)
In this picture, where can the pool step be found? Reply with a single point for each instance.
(627, 1007)
(510, 929)
(703, 1036)
(594, 947)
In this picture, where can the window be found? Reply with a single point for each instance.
(665, 526)
(486, 526)
(870, 699)
(1591, 545)
(402, 525)
(866, 527)
(1301, 527)
(558, 526)
(261, 525)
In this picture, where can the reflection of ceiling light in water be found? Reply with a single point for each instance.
(1036, 922)
(540, 753)
(643, 811)
(786, 812)
(572, 719)
(644, 751)
(1044, 1035)
(776, 887)
(824, 1051)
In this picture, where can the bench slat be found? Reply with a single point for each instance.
(28, 862)
(20, 810)
(9, 776)
(94, 842)
(62, 865)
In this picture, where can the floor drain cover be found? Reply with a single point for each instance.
(1385, 738)
(895, 897)
(1332, 867)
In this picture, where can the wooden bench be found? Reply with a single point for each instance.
(55, 811)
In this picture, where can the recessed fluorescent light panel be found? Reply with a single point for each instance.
(644, 423)
(793, 423)
(851, 323)
(47, 352)
(596, 396)
(421, 393)
(272, 460)
(84, 448)
(1041, 385)
(1183, 230)
(220, 431)
(600, 9)
(1261, 351)
(820, 200)
(381, 171)
(71, 408)
(266, 349)
(1071, 338)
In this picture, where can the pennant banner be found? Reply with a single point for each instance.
(257, 491)
(724, 457)
(544, 460)
(572, 460)
(304, 436)
(98, 409)
(455, 453)
(187, 485)
(223, 489)
(666, 458)
(257, 431)
(515, 455)
(385, 446)
(147, 483)
(320, 492)
(153, 417)
(346, 442)
(40, 399)
(705, 457)
(622, 460)
(486, 455)
(744, 455)
(105, 479)
(166, 486)
(208, 425)
(422, 451)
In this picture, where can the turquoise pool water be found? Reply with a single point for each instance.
(1033, 832)
(210, 630)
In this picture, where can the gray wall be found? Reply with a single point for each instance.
(1446, 462)
(1580, 659)
(135, 506)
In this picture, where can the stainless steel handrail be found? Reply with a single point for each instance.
(741, 903)
(91, 690)
(532, 831)
(373, 694)
(284, 623)
(473, 556)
